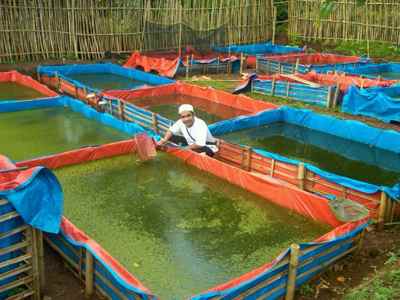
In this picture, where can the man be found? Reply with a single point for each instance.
(192, 132)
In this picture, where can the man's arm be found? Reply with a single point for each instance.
(165, 139)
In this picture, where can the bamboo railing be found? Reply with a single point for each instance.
(374, 21)
(37, 30)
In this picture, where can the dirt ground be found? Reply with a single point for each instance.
(60, 282)
(351, 271)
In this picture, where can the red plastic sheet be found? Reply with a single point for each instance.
(208, 94)
(14, 76)
(167, 63)
(344, 81)
(314, 59)
(82, 155)
(162, 65)
(13, 177)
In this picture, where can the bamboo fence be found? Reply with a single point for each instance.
(87, 29)
(374, 21)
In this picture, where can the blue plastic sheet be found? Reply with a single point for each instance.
(353, 130)
(63, 71)
(38, 199)
(373, 70)
(379, 103)
(261, 48)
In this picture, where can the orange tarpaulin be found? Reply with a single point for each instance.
(344, 81)
(14, 76)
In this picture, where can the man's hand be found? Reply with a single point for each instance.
(161, 142)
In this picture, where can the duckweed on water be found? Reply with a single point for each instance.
(330, 153)
(15, 91)
(32, 133)
(177, 229)
(107, 81)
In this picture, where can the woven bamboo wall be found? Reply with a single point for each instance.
(376, 21)
(34, 29)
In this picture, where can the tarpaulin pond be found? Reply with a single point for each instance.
(177, 229)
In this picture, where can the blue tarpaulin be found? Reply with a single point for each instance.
(35, 194)
(380, 103)
(352, 130)
(373, 70)
(261, 48)
(64, 71)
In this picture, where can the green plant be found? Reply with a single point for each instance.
(306, 290)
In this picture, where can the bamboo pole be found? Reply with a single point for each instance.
(293, 262)
(301, 175)
(382, 210)
(89, 275)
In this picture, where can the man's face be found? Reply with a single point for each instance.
(187, 118)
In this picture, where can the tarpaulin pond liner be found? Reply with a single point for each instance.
(30, 202)
(307, 175)
(170, 64)
(79, 80)
(381, 103)
(55, 126)
(252, 50)
(17, 87)
(304, 62)
(219, 103)
(270, 280)
(388, 71)
(311, 87)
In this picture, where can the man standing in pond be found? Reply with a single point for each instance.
(192, 132)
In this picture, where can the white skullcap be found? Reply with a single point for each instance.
(185, 107)
(90, 95)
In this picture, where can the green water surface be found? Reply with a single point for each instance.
(328, 152)
(170, 111)
(107, 81)
(33, 133)
(177, 229)
(15, 91)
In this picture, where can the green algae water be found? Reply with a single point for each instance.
(33, 133)
(179, 230)
(328, 152)
(15, 91)
(107, 81)
(167, 106)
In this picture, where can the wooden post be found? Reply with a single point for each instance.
(272, 168)
(392, 213)
(187, 67)
(388, 210)
(279, 68)
(296, 68)
(40, 253)
(246, 158)
(111, 107)
(89, 274)
(336, 96)
(120, 110)
(257, 64)
(274, 14)
(38, 76)
(154, 122)
(293, 262)
(84, 96)
(35, 263)
(287, 88)
(360, 241)
(301, 172)
(241, 62)
(382, 211)
(273, 86)
(329, 98)
(76, 92)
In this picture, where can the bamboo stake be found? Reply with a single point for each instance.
(294, 260)
(89, 274)
(382, 210)
(301, 175)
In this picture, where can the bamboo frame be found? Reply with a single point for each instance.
(37, 30)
